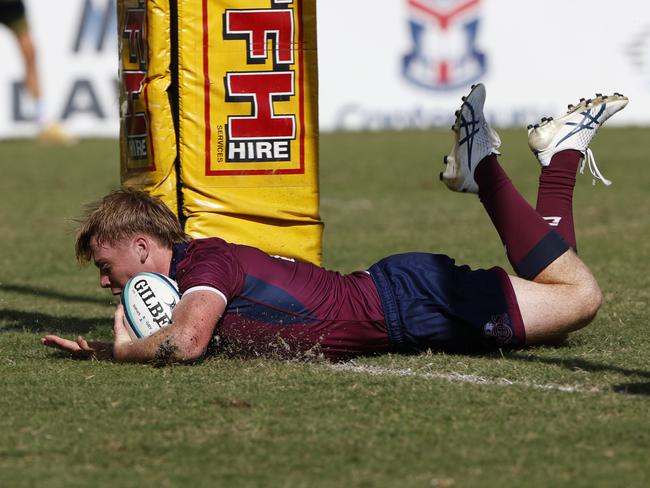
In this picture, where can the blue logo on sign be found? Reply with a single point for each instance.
(444, 53)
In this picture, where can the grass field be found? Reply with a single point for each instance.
(576, 415)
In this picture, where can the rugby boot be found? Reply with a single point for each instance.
(474, 140)
(575, 130)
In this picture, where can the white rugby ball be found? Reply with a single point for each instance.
(148, 300)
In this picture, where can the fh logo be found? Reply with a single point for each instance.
(444, 53)
(134, 71)
(263, 135)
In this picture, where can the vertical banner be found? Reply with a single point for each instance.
(248, 122)
(147, 135)
(220, 117)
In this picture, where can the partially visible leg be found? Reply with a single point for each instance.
(14, 16)
(29, 56)
(49, 132)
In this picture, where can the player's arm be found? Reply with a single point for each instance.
(185, 340)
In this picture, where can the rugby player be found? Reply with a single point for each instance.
(240, 299)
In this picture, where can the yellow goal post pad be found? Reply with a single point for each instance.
(220, 117)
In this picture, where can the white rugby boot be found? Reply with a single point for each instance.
(575, 130)
(474, 139)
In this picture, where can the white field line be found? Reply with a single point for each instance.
(459, 378)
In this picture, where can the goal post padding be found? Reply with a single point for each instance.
(219, 117)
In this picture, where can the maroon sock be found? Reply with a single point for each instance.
(555, 194)
(530, 244)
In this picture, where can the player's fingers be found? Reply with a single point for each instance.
(119, 312)
(118, 317)
(60, 343)
(83, 344)
(119, 329)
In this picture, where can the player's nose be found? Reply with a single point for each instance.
(104, 281)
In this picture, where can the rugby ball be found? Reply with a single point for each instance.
(148, 300)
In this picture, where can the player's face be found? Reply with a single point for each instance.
(116, 263)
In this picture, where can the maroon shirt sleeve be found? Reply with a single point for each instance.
(210, 262)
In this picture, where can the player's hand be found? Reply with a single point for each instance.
(79, 348)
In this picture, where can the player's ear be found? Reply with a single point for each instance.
(142, 247)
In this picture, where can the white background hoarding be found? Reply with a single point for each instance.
(383, 64)
(395, 63)
(76, 42)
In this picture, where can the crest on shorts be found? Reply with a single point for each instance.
(499, 328)
(444, 52)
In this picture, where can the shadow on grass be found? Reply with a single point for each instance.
(640, 388)
(574, 363)
(57, 295)
(633, 388)
(35, 322)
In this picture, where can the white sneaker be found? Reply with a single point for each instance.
(475, 139)
(575, 130)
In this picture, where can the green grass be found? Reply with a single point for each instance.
(265, 422)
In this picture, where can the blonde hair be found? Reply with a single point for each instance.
(123, 213)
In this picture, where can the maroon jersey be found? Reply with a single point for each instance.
(276, 304)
